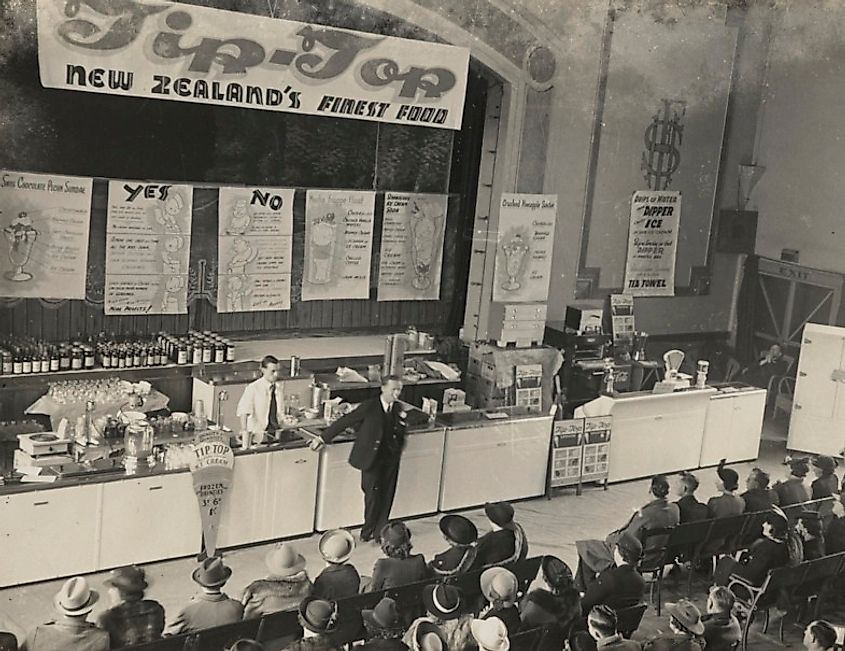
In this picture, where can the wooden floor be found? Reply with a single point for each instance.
(552, 527)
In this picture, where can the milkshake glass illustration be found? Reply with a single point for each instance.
(515, 251)
(423, 237)
(20, 236)
(322, 243)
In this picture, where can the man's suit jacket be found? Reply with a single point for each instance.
(337, 582)
(617, 587)
(725, 506)
(369, 421)
(691, 509)
(764, 555)
(721, 631)
(657, 514)
(392, 572)
(759, 499)
(792, 491)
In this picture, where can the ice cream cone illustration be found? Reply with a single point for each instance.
(423, 239)
(20, 236)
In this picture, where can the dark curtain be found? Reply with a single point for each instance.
(747, 310)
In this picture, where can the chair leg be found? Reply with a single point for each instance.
(766, 622)
(745, 629)
(659, 591)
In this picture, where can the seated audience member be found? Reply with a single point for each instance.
(69, 631)
(384, 627)
(131, 619)
(686, 626)
(728, 503)
(758, 496)
(826, 483)
(428, 637)
(490, 634)
(246, 645)
(689, 507)
(556, 577)
(540, 608)
(602, 633)
(594, 556)
(444, 608)
(809, 530)
(819, 636)
(771, 365)
(318, 619)
(793, 490)
(211, 607)
(499, 587)
(721, 627)
(767, 553)
(835, 535)
(621, 585)
(283, 589)
(461, 535)
(399, 567)
(339, 579)
(506, 543)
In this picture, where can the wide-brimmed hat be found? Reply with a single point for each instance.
(318, 615)
(429, 637)
(211, 573)
(283, 560)
(688, 615)
(336, 546)
(75, 597)
(799, 466)
(130, 579)
(442, 601)
(246, 645)
(825, 463)
(491, 634)
(384, 616)
(557, 573)
(499, 584)
(500, 513)
(729, 476)
(395, 534)
(458, 529)
(630, 548)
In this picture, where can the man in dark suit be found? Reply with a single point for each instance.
(379, 438)
(758, 497)
(793, 490)
(620, 586)
(690, 508)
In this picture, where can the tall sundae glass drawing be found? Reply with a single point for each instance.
(515, 250)
(322, 243)
(423, 240)
(20, 236)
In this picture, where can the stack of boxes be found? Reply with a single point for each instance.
(521, 324)
(480, 380)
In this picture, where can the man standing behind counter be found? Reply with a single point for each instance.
(262, 404)
(379, 438)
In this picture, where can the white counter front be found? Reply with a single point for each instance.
(733, 426)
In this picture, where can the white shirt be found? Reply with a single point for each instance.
(255, 403)
(384, 406)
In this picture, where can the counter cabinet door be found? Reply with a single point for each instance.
(747, 425)
(717, 431)
(418, 486)
(242, 520)
(291, 493)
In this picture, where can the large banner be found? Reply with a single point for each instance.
(148, 247)
(338, 244)
(211, 470)
(411, 247)
(255, 240)
(652, 243)
(164, 50)
(524, 251)
(45, 222)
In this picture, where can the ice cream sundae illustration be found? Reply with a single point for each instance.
(322, 242)
(515, 249)
(20, 236)
(240, 220)
(242, 255)
(423, 240)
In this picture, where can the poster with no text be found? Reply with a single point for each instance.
(148, 247)
(524, 250)
(338, 244)
(45, 221)
(652, 243)
(211, 470)
(411, 247)
(254, 244)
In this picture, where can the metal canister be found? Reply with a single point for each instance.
(295, 366)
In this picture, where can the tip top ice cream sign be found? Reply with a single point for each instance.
(163, 50)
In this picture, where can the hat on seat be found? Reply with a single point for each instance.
(75, 597)
(458, 529)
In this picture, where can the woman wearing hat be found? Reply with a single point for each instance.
(686, 626)
(70, 631)
(444, 607)
(399, 566)
(793, 490)
(490, 634)
(500, 587)
(428, 637)
(211, 607)
(767, 553)
(132, 619)
(285, 587)
(810, 533)
(506, 543)
(826, 483)
(318, 619)
(560, 601)
(461, 535)
(339, 579)
(384, 627)
(727, 503)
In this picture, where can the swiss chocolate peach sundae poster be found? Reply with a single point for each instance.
(44, 223)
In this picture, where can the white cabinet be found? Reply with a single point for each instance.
(242, 520)
(418, 486)
(733, 426)
(817, 424)
(47, 534)
(291, 492)
(149, 519)
(340, 502)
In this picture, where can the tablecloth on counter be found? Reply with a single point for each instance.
(505, 359)
(46, 405)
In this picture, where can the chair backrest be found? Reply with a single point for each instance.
(220, 638)
(173, 643)
(672, 359)
(654, 549)
(527, 640)
(790, 362)
(279, 625)
(628, 619)
(727, 532)
(686, 538)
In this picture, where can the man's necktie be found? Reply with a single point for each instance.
(273, 414)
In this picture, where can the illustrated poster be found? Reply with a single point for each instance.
(411, 257)
(211, 470)
(338, 244)
(148, 245)
(524, 252)
(255, 239)
(45, 221)
(652, 243)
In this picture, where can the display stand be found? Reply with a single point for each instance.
(579, 453)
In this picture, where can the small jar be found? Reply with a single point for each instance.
(136, 356)
(230, 351)
(64, 359)
(7, 363)
(196, 358)
(77, 359)
(219, 353)
(207, 351)
(182, 355)
(17, 365)
(55, 361)
(26, 365)
(89, 358)
(36, 363)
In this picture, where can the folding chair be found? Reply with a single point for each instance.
(172, 643)
(628, 619)
(220, 638)
(280, 628)
(654, 559)
(685, 544)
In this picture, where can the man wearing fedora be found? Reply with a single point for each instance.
(132, 619)
(384, 627)
(461, 535)
(379, 425)
(211, 607)
(687, 629)
(70, 631)
(506, 543)
(286, 586)
(318, 619)
(339, 579)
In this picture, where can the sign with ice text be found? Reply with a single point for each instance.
(652, 243)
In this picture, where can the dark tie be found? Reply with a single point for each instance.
(272, 416)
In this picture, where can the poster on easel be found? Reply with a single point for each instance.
(45, 222)
(652, 243)
(148, 247)
(596, 454)
(254, 244)
(567, 450)
(338, 244)
(411, 257)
